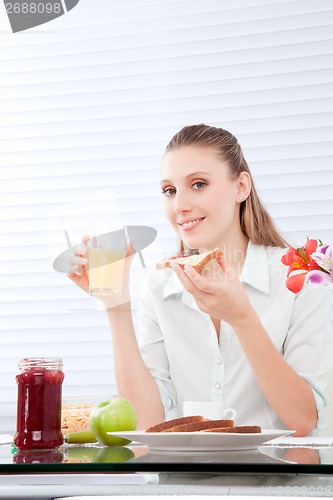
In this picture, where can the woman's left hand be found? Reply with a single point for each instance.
(221, 295)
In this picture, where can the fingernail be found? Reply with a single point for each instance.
(77, 270)
(84, 262)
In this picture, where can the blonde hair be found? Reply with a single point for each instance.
(255, 221)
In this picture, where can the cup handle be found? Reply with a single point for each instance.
(229, 414)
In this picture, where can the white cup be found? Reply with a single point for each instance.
(214, 410)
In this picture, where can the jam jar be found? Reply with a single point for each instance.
(38, 421)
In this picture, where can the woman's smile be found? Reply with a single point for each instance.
(190, 223)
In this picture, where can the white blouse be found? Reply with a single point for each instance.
(179, 344)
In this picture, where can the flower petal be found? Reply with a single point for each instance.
(329, 251)
(324, 260)
(311, 246)
(295, 281)
(289, 257)
(318, 278)
(318, 257)
(322, 248)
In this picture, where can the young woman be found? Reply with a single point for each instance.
(232, 332)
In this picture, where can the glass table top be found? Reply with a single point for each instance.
(138, 458)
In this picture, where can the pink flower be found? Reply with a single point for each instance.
(300, 263)
(323, 256)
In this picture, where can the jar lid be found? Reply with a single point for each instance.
(49, 363)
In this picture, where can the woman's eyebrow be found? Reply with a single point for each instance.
(193, 174)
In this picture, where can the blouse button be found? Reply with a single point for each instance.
(219, 361)
(217, 386)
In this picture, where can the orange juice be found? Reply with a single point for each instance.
(106, 271)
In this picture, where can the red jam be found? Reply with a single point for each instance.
(38, 422)
(55, 456)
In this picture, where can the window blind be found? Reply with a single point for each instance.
(91, 101)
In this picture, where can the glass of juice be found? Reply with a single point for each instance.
(107, 255)
(38, 421)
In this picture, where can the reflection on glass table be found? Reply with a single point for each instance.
(76, 455)
(299, 455)
(141, 455)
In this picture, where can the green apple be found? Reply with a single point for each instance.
(82, 453)
(117, 414)
(113, 454)
(80, 437)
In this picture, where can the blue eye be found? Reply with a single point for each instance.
(199, 184)
(168, 191)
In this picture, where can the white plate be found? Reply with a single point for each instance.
(201, 441)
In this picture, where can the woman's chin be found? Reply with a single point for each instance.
(197, 242)
(190, 243)
(199, 245)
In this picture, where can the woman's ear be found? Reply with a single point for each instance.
(243, 186)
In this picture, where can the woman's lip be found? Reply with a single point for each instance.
(188, 224)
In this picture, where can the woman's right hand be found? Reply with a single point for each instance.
(79, 265)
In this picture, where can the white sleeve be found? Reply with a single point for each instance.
(308, 347)
(152, 348)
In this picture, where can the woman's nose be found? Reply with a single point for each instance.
(182, 203)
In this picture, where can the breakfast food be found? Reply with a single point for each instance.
(75, 417)
(204, 425)
(197, 261)
(168, 424)
(115, 414)
(191, 423)
(198, 423)
(239, 429)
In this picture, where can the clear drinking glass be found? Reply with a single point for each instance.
(107, 255)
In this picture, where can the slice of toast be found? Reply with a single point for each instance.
(198, 426)
(168, 424)
(239, 429)
(197, 261)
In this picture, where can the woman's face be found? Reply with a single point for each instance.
(201, 200)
